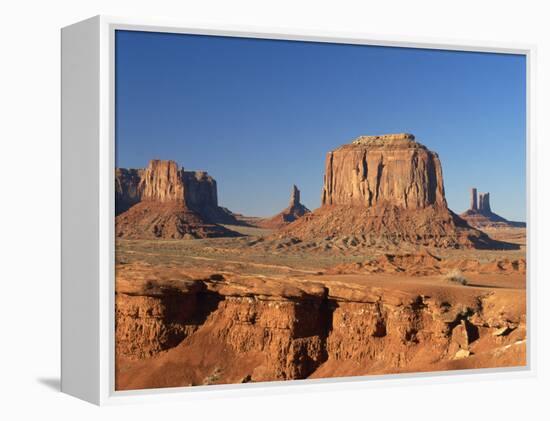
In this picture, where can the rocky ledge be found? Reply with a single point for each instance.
(174, 331)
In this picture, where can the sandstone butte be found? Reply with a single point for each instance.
(384, 170)
(480, 215)
(291, 213)
(165, 201)
(385, 190)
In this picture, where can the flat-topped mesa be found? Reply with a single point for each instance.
(384, 170)
(164, 201)
(164, 182)
(382, 191)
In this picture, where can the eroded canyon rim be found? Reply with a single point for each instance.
(182, 325)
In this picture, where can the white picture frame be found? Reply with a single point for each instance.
(88, 212)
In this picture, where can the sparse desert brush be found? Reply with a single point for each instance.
(213, 378)
(456, 276)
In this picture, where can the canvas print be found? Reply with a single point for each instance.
(302, 210)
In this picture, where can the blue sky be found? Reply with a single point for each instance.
(260, 115)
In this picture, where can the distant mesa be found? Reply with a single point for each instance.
(377, 191)
(480, 215)
(294, 211)
(385, 190)
(164, 201)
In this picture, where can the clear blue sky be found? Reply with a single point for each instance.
(260, 115)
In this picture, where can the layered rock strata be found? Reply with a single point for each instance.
(164, 181)
(175, 332)
(390, 170)
(164, 201)
(385, 190)
(128, 190)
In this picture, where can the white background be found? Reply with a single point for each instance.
(30, 225)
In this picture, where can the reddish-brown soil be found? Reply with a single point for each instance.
(283, 218)
(290, 214)
(358, 226)
(215, 311)
(425, 263)
(154, 219)
(482, 220)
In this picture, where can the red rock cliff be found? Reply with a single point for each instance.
(127, 188)
(164, 201)
(384, 190)
(164, 182)
(383, 170)
(189, 331)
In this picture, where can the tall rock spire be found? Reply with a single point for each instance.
(294, 196)
(294, 211)
(473, 199)
(484, 203)
(480, 214)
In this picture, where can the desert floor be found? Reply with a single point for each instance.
(281, 312)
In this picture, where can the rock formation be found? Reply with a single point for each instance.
(295, 197)
(127, 188)
(294, 211)
(201, 190)
(185, 330)
(473, 199)
(162, 182)
(484, 205)
(480, 214)
(383, 170)
(164, 201)
(385, 190)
